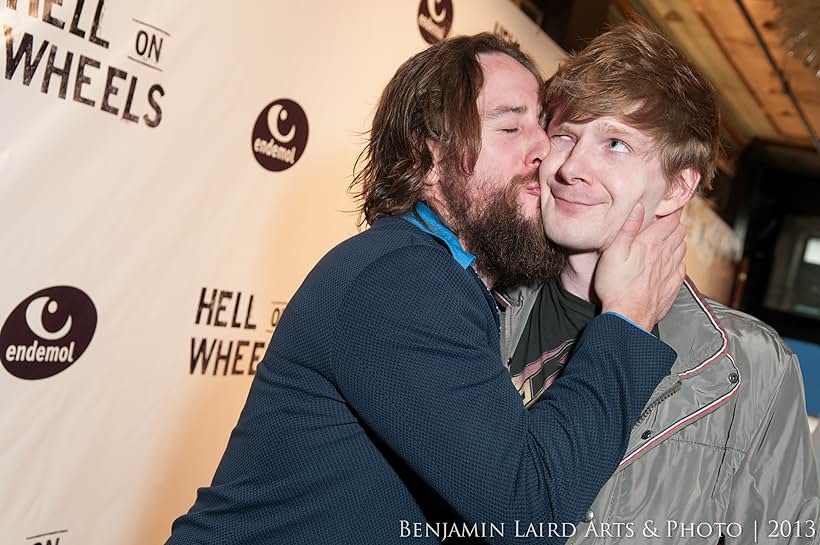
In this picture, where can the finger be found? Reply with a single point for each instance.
(675, 238)
(679, 253)
(630, 228)
(678, 235)
(672, 251)
(663, 227)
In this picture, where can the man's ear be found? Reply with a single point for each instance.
(680, 192)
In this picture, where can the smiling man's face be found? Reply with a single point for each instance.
(593, 176)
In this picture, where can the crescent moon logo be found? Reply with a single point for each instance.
(34, 319)
(47, 332)
(432, 9)
(279, 113)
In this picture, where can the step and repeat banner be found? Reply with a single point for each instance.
(169, 173)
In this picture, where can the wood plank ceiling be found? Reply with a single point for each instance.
(723, 37)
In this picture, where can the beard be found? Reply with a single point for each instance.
(508, 247)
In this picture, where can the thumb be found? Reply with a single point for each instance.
(631, 226)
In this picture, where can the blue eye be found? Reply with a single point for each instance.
(618, 146)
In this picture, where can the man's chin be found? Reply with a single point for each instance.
(530, 209)
(560, 235)
(569, 240)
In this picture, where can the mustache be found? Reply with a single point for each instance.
(525, 179)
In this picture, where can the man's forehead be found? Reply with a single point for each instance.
(507, 85)
(613, 125)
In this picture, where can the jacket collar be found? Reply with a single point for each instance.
(693, 331)
(690, 328)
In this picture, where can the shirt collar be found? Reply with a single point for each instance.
(427, 220)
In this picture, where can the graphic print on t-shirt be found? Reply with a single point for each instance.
(547, 340)
(538, 375)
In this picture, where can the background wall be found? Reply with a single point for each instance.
(149, 243)
(712, 250)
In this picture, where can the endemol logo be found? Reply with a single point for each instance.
(280, 135)
(47, 332)
(435, 19)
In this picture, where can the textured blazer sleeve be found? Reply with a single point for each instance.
(416, 356)
(778, 479)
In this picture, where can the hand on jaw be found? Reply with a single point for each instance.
(641, 272)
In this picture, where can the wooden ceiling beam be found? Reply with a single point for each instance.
(683, 25)
(732, 138)
(741, 48)
(801, 80)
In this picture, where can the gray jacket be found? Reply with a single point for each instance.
(723, 440)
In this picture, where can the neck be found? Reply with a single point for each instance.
(577, 275)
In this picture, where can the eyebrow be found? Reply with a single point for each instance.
(609, 128)
(604, 128)
(503, 110)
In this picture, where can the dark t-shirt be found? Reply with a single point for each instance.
(555, 322)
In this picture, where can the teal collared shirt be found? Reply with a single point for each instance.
(431, 224)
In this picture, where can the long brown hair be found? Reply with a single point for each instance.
(432, 96)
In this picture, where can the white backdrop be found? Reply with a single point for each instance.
(139, 230)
